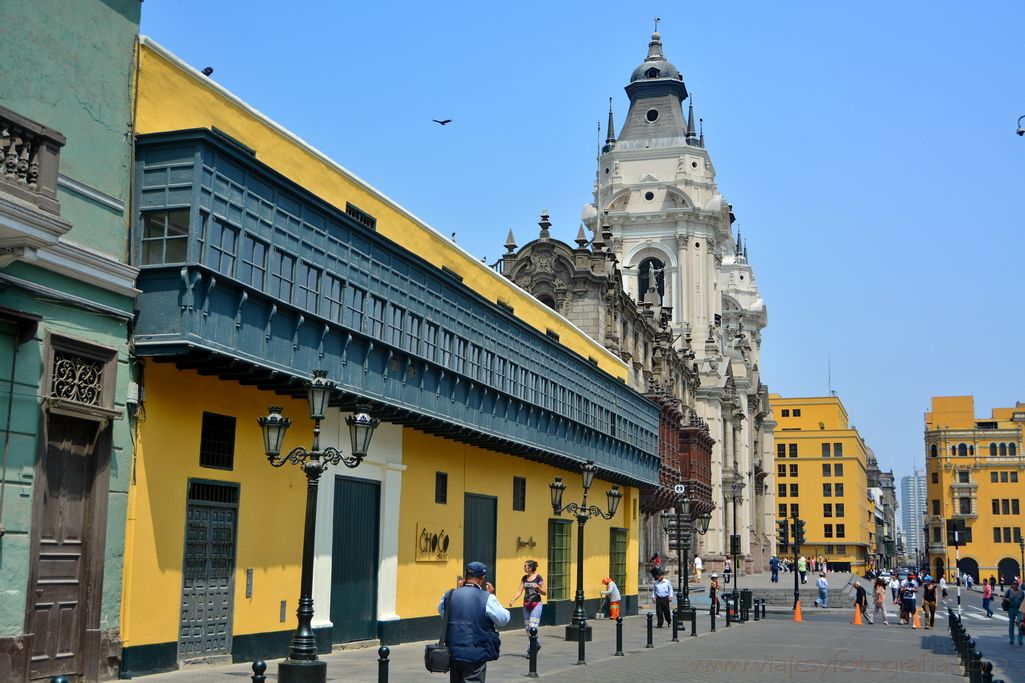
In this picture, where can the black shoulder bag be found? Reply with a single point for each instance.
(436, 656)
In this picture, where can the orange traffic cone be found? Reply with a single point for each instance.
(917, 623)
(857, 616)
(797, 611)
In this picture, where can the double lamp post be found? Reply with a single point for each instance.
(680, 527)
(302, 665)
(583, 512)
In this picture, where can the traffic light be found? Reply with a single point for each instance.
(783, 532)
(799, 531)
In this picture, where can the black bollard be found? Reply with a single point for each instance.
(729, 608)
(975, 667)
(382, 664)
(676, 626)
(763, 608)
(619, 637)
(259, 669)
(693, 621)
(968, 656)
(651, 630)
(711, 615)
(532, 653)
(581, 641)
(754, 606)
(987, 672)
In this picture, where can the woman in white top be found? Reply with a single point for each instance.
(894, 586)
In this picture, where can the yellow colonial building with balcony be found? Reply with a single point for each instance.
(974, 475)
(821, 477)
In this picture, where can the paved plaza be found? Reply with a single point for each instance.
(825, 646)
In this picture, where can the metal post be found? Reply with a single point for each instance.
(968, 656)
(693, 622)
(728, 607)
(382, 664)
(259, 668)
(763, 608)
(987, 672)
(975, 667)
(676, 626)
(582, 642)
(619, 637)
(579, 619)
(532, 652)
(711, 616)
(957, 560)
(651, 629)
(754, 606)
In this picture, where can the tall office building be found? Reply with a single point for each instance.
(912, 506)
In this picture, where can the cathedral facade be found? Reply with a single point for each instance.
(663, 282)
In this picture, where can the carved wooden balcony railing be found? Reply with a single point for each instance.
(29, 161)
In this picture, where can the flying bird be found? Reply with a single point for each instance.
(208, 70)
(444, 122)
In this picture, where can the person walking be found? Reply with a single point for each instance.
(861, 601)
(613, 596)
(774, 566)
(474, 615)
(727, 570)
(802, 569)
(929, 602)
(662, 592)
(879, 591)
(908, 602)
(656, 565)
(1013, 597)
(894, 587)
(698, 566)
(823, 587)
(532, 587)
(713, 591)
(987, 596)
(943, 588)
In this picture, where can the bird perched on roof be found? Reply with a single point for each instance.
(208, 70)
(442, 122)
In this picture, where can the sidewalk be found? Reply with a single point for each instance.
(824, 646)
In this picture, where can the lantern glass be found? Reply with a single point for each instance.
(685, 509)
(361, 430)
(667, 521)
(274, 426)
(703, 521)
(317, 392)
(615, 495)
(557, 488)
(589, 470)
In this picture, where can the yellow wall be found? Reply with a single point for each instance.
(824, 420)
(950, 423)
(270, 511)
(473, 470)
(172, 96)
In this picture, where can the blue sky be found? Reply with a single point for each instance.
(868, 150)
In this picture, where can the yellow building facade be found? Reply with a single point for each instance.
(821, 478)
(975, 475)
(214, 533)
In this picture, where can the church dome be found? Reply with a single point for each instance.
(655, 66)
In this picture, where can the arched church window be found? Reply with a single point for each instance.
(656, 268)
(933, 451)
(971, 450)
(1012, 449)
(1003, 449)
(652, 73)
(992, 449)
(962, 449)
(547, 300)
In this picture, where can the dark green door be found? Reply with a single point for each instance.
(480, 530)
(354, 559)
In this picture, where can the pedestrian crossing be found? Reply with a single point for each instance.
(979, 613)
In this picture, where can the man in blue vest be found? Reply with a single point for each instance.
(474, 615)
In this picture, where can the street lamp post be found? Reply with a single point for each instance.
(680, 527)
(1021, 567)
(583, 512)
(302, 665)
(735, 492)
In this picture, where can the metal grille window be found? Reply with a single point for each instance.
(519, 494)
(782, 509)
(781, 470)
(559, 550)
(793, 491)
(441, 488)
(334, 290)
(165, 237)
(617, 555)
(361, 216)
(282, 275)
(77, 378)
(217, 442)
(793, 469)
(253, 266)
(308, 295)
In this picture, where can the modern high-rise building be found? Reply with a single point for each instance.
(912, 507)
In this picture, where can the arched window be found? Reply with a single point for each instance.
(971, 450)
(547, 300)
(1012, 449)
(657, 269)
(992, 449)
(962, 449)
(933, 451)
(1003, 449)
(953, 450)
(652, 73)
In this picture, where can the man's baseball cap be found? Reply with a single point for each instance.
(476, 569)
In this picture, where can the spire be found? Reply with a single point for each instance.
(691, 138)
(510, 242)
(545, 224)
(611, 135)
(701, 127)
(745, 250)
(655, 49)
(581, 239)
(740, 247)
